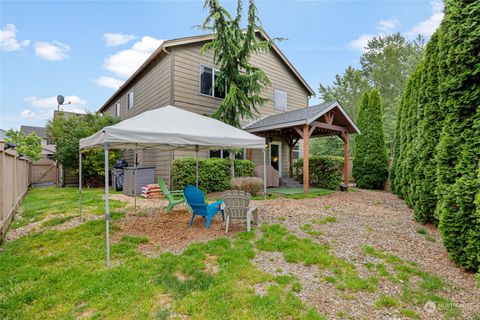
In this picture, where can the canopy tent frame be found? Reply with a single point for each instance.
(132, 139)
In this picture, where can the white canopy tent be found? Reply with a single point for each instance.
(166, 128)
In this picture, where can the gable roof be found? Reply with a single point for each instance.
(201, 38)
(300, 117)
(40, 131)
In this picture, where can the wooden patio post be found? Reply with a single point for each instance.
(345, 157)
(306, 171)
(290, 159)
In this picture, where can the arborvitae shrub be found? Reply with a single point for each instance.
(370, 160)
(437, 146)
(359, 150)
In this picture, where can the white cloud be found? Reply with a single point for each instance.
(109, 82)
(8, 39)
(387, 25)
(125, 62)
(116, 39)
(427, 27)
(52, 51)
(46, 106)
(361, 42)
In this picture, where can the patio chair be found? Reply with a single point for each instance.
(237, 207)
(174, 197)
(196, 200)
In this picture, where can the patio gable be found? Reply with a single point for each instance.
(325, 119)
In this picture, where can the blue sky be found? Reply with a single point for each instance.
(83, 50)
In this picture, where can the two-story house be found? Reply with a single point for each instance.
(178, 74)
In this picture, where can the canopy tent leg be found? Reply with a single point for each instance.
(135, 181)
(264, 180)
(107, 209)
(196, 166)
(80, 181)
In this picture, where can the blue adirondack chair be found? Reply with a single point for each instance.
(196, 200)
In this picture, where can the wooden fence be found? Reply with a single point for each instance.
(15, 177)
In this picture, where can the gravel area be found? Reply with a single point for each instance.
(378, 219)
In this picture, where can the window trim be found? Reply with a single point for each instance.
(118, 108)
(129, 107)
(286, 99)
(214, 70)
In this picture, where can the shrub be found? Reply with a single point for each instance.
(370, 164)
(437, 149)
(214, 174)
(66, 132)
(252, 185)
(325, 171)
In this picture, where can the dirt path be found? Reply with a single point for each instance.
(377, 219)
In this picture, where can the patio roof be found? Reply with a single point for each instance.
(304, 116)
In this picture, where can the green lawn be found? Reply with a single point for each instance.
(61, 274)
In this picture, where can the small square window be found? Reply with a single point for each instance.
(130, 102)
(280, 100)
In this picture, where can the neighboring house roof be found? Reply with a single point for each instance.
(40, 131)
(300, 117)
(2, 134)
(202, 38)
(66, 114)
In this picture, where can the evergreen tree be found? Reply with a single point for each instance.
(232, 49)
(359, 151)
(371, 156)
(429, 128)
(459, 146)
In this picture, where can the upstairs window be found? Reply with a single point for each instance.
(130, 102)
(280, 100)
(207, 83)
(117, 109)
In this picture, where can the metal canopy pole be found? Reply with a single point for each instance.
(264, 180)
(107, 209)
(135, 181)
(196, 165)
(80, 180)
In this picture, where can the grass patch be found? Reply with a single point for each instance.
(425, 234)
(61, 274)
(308, 228)
(429, 288)
(329, 219)
(43, 202)
(56, 221)
(411, 314)
(306, 251)
(386, 302)
(134, 240)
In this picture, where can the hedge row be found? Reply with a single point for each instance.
(213, 174)
(370, 163)
(437, 145)
(325, 171)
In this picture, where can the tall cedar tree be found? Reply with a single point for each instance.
(436, 161)
(459, 146)
(359, 151)
(375, 162)
(429, 129)
(232, 49)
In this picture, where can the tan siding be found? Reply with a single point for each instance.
(186, 70)
(151, 90)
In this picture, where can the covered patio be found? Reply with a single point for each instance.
(325, 119)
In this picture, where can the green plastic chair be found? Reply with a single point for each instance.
(174, 197)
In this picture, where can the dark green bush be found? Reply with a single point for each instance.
(370, 163)
(213, 174)
(437, 144)
(325, 171)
